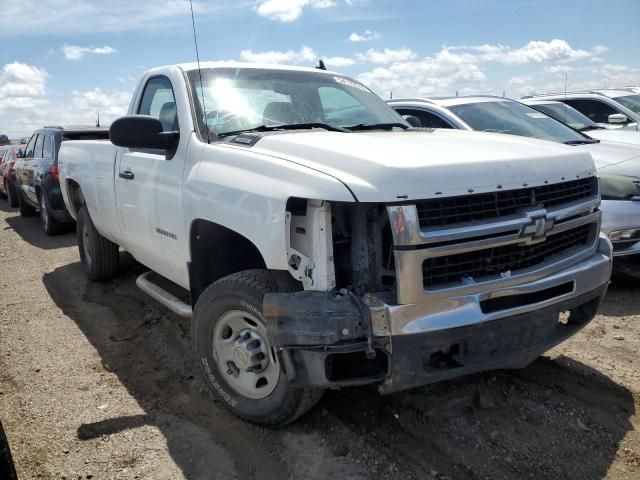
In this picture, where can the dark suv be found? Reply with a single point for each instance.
(37, 174)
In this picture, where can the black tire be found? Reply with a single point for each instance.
(7, 468)
(50, 225)
(26, 210)
(98, 255)
(3, 195)
(244, 291)
(12, 193)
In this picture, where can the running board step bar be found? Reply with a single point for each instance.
(159, 294)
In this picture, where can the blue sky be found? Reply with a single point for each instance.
(63, 60)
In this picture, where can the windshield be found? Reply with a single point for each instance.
(567, 115)
(516, 119)
(238, 99)
(632, 102)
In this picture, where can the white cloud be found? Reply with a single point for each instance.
(75, 52)
(26, 115)
(339, 61)
(461, 68)
(89, 16)
(110, 105)
(24, 106)
(19, 80)
(365, 36)
(427, 76)
(535, 51)
(559, 69)
(289, 10)
(388, 55)
(304, 55)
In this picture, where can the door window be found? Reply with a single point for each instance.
(596, 110)
(37, 151)
(158, 101)
(427, 119)
(28, 153)
(47, 148)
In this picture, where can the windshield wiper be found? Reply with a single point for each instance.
(377, 126)
(582, 142)
(590, 127)
(286, 126)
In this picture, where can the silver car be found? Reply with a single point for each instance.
(576, 120)
(610, 108)
(618, 163)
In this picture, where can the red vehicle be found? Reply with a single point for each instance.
(8, 156)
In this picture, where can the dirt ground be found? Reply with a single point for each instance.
(98, 381)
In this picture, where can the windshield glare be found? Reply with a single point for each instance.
(516, 119)
(567, 115)
(244, 98)
(632, 102)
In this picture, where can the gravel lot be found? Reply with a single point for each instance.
(98, 381)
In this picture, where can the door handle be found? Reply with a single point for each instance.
(127, 175)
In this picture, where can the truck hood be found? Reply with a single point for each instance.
(385, 166)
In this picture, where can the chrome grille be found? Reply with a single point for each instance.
(482, 206)
(496, 260)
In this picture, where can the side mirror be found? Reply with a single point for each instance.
(413, 121)
(617, 118)
(142, 131)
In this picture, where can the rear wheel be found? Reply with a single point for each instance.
(12, 193)
(26, 210)
(98, 255)
(241, 368)
(49, 224)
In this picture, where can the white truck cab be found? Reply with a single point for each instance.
(323, 242)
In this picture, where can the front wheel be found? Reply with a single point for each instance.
(98, 255)
(239, 365)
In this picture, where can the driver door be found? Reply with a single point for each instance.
(140, 181)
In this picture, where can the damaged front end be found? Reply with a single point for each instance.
(411, 294)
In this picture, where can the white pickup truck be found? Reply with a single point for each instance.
(318, 241)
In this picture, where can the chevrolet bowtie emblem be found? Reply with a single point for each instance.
(537, 228)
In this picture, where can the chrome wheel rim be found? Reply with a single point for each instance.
(243, 354)
(86, 246)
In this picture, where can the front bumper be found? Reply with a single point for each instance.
(338, 341)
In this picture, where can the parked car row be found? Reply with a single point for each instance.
(30, 174)
(317, 239)
(616, 153)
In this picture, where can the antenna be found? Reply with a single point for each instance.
(97, 119)
(566, 76)
(195, 40)
(321, 65)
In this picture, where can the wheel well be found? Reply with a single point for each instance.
(216, 252)
(75, 196)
